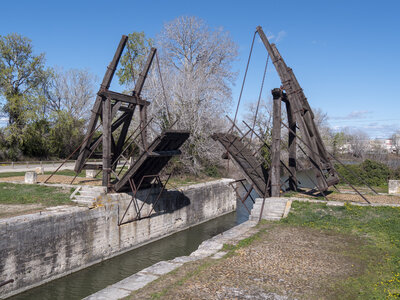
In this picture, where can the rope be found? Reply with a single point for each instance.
(259, 98)
(244, 78)
(163, 89)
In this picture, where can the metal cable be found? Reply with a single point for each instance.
(244, 78)
(259, 98)
(162, 85)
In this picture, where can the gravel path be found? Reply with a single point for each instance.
(285, 263)
(382, 199)
(56, 179)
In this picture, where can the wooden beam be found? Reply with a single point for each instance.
(106, 141)
(165, 153)
(124, 98)
(291, 144)
(105, 84)
(142, 76)
(276, 143)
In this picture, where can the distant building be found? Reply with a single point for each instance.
(382, 146)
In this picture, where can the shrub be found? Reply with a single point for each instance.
(372, 172)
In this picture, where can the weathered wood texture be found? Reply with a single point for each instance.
(291, 144)
(324, 170)
(106, 141)
(106, 106)
(253, 169)
(152, 161)
(276, 143)
(85, 150)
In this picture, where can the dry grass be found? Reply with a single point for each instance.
(283, 261)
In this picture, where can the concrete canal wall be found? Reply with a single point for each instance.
(40, 247)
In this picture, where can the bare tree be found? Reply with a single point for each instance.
(396, 141)
(195, 63)
(358, 141)
(71, 91)
(263, 121)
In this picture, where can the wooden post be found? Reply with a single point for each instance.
(276, 143)
(106, 141)
(143, 122)
(304, 117)
(291, 145)
(84, 152)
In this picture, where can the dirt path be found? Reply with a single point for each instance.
(56, 179)
(284, 263)
(381, 199)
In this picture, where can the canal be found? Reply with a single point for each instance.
(90, 280)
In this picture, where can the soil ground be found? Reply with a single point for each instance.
(317, 252)
(284, 262)
(56, 179)
(351, 197)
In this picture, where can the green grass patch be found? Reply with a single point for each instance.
(68, 173)
(33, 194)
(181, 281)
(384, 188)
(11, 174)
(62, 172)
(379, 226)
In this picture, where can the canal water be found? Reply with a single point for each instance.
(90, 280)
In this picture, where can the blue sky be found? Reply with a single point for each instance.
(345, 54)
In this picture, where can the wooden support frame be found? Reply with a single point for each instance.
(276, 143)
(304, 117)
(293, 184)
(85, 150)
(106, 107)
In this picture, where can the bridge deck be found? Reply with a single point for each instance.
(151, 162)
(253, 170)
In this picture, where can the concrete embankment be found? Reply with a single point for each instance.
(211, 247)
(275, 209)
(40, 247)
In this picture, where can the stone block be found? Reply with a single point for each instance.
(161, 268)
(39, 170)
(91, 173)
(31, 177)
(394, 186)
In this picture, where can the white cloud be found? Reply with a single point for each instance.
(275, 38)
(356, 114)
(281, 35)
(374, 129)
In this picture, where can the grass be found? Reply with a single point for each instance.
(176, 181)
(181, 281)
(374, 234)
(62, 172)
(33, 194)
(380, 226)
(384, 188)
